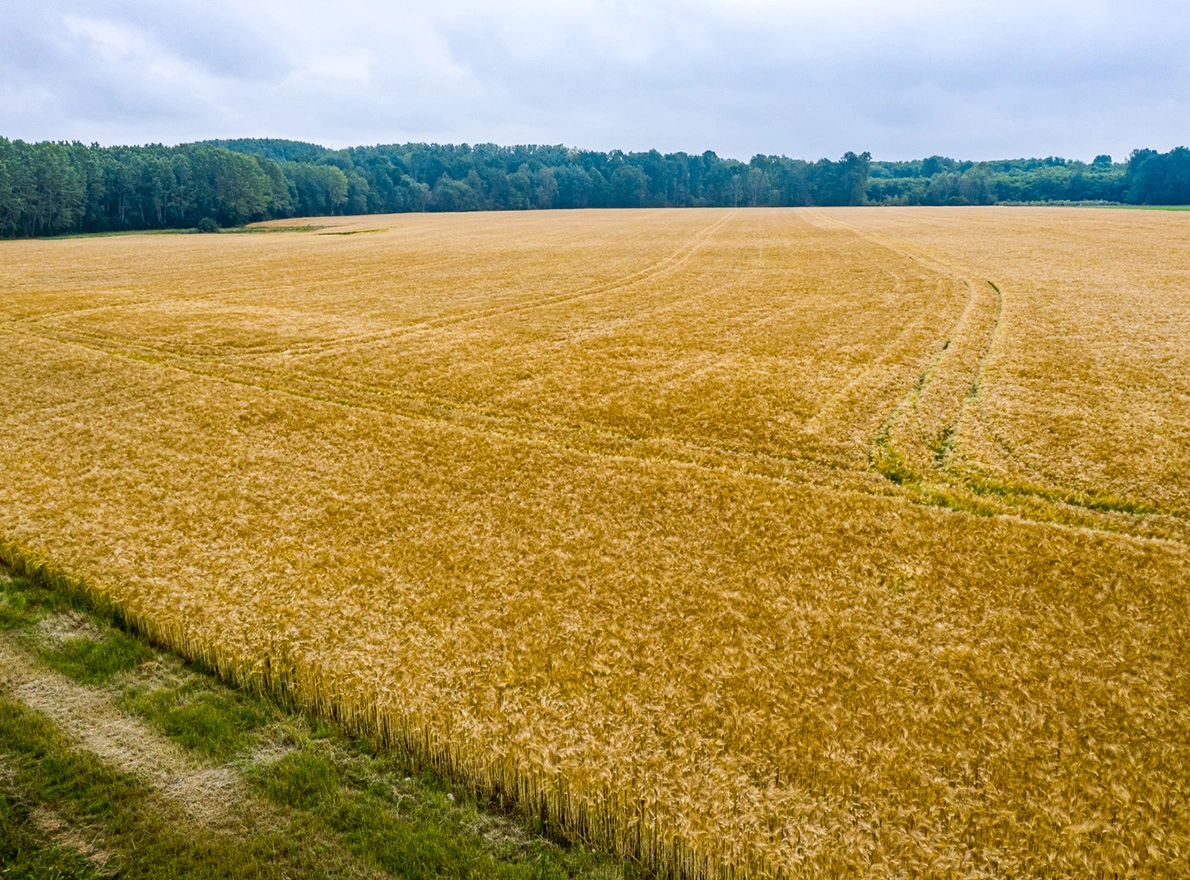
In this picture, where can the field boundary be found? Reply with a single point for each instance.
(239, 777)
(572, 817)
(119, 739)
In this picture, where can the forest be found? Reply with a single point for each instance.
(67, 188)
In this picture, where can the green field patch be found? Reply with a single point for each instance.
(429, 846)
(215, 724)
(301, 779)
(23, 602)
(1150, 207)
(415, 826)
(11, 618)
(14, 613)
(146, 837)
(26, 854)
(256, 229)
(90, 661)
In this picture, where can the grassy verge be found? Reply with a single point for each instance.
(313, 800)
(233, 230)
(1152, 207)
(73, 814)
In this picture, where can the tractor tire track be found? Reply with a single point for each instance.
(801, 469)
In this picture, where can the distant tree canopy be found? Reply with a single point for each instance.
(942, 181)
(57, 188)
(1159, 178)
(50, 189)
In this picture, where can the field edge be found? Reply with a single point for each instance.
(524, 797)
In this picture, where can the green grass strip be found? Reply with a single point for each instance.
(145, 836)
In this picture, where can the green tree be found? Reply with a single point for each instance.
(520, 189)
(545, 188)
(453, 195)
(975, 186)
(629, 186)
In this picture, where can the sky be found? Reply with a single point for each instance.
(973, 80)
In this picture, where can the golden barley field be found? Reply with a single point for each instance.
(758, 543)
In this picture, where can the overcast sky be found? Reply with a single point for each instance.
(806, 78)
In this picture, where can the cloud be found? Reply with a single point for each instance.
(977, 80)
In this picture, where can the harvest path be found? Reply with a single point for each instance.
(726, 539)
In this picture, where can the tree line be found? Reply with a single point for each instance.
(1147, 178)
(60, 188)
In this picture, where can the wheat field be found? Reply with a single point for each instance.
(764, 543)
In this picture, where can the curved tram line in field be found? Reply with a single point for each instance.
(923, 469)
(661, 267)
(917, 451)
(920, 443)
